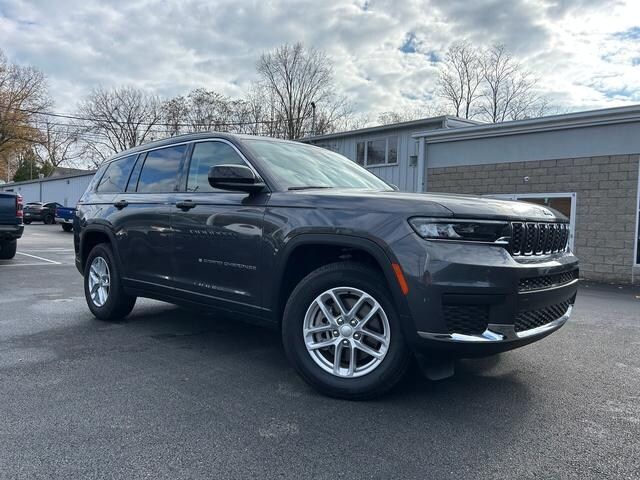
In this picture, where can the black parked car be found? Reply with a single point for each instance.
(40, 212)
(11, 226)
(357, 276)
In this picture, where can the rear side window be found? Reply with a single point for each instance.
(161, 170)
(206, 155)
(115, 177)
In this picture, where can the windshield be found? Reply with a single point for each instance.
(297, 166)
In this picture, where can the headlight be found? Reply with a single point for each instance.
(489, 231)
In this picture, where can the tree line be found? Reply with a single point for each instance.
(293, 96)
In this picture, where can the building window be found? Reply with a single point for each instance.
(360, 153)
(377, 152)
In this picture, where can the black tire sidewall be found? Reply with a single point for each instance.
(386, 375)
(8, 249)
(66, 227)
(118, 304)
(48, 220)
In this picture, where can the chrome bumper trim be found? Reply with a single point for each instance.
(496, 333)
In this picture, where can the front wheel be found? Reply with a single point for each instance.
(49, 220)
(8, 249)
(102, 286)
(342, 333)
(67, 227)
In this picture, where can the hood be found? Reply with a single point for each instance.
(469, 206)
(415, 204)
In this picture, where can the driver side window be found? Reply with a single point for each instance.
(206, 155)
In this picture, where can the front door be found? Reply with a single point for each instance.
(217, 233)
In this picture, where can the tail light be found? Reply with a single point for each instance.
(19, 206)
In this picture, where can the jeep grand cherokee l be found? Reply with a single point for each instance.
(357, 276)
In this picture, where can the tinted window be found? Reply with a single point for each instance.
(206, 155)
(115, 177)
(161, 169)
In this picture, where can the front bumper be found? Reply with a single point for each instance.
(468, 300)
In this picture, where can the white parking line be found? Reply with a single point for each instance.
(39, 258)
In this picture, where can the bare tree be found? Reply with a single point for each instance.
(509, 90)
(293, 77)
(174, 115)
(460, 79)
(23, 94)
(57, 144)
(118, 119)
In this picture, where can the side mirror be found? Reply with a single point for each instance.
(235, 177)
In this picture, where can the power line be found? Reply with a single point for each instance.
(145, 124)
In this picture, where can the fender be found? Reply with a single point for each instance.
(98, 228)
(380, 253)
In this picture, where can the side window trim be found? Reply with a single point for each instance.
(134, 174)
(183, 183)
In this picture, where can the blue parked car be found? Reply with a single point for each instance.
(64, 216)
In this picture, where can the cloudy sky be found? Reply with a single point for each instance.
(385, 53)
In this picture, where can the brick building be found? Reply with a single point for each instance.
(584, 164)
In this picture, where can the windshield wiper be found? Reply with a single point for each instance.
(307, 187)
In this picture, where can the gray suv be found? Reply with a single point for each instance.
(358, 277)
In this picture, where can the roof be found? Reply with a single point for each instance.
(588, 118)
(62, 171)
(443, 120)
(48, 179)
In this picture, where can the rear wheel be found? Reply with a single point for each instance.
(341, 332)
(67, 227)
(27, 222)
(102, 286)
(49, 220)
(8, 249)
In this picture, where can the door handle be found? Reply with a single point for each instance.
(185, 205)
(120, 204)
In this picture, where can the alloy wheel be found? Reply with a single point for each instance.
(99, 281)
(346, 332)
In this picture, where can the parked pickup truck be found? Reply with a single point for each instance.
(64, 216)
(11, 226)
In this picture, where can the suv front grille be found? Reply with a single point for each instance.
(527, 320)
(546, 281)
(466, 319)
(538, 238)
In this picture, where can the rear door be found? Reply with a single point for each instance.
(218, 233)
(143, 224)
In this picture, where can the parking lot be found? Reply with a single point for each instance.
(174, 394)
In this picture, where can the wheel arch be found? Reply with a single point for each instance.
(329, 248)
(92, 236)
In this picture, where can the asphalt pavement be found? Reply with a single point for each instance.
(173, 394)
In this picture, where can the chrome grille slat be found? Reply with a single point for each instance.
(538, 238)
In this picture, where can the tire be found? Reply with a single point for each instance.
(116, 304)
(27, 222)
(67, 227)
(49, 220)
(8, 249)
(368, 376)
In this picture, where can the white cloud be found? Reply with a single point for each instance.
(586, 52)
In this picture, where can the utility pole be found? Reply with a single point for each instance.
(313, 118)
